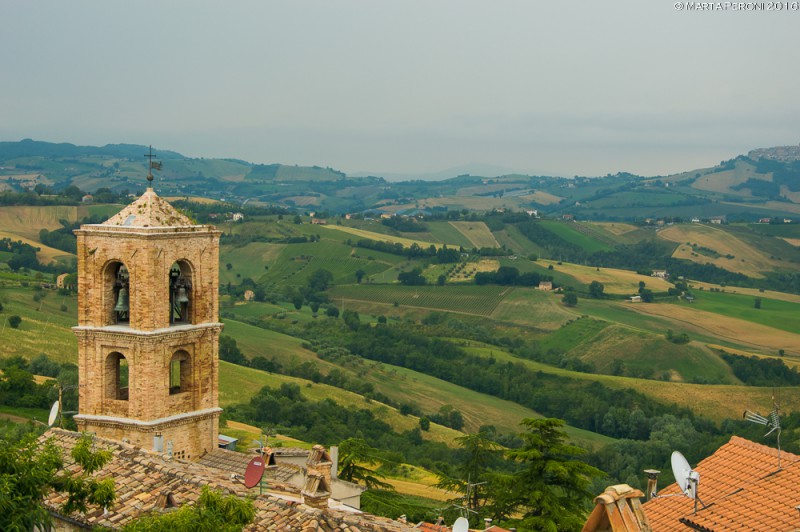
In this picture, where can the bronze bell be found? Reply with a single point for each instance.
(183, 297)
(122, 301)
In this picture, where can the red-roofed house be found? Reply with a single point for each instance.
(740, 487)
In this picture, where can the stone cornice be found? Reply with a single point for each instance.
(149, 232)
(150, 426)
(116, 331)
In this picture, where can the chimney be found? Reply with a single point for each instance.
(652, 482)
(317, 487)
(334, 452)
(487, 523)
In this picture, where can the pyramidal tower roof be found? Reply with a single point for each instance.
(149, 210)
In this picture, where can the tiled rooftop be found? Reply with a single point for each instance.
(146, 482)
(740, 470)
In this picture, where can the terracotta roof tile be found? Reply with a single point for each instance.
(741, 471)
(141, 478)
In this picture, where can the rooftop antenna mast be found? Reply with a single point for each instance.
(151, 164)
(772, 422)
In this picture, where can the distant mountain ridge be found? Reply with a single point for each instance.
(764, 183)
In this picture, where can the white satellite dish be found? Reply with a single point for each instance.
(461, 525)
(685, 476)
(53, 414)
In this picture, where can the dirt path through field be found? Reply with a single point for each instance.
(12, 417)
(733, 329)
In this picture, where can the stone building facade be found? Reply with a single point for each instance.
(148, 329)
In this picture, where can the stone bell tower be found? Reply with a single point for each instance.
(148, 329)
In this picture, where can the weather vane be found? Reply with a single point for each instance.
(153, 164)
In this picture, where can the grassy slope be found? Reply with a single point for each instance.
(570, 233)
(477, 233)
(779, 314)
(746, 259)
(44, 328)
(614, 281)
(718, 402)
(399, 384)
(238, 384)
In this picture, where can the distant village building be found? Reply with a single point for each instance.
(545, 286)
(717, 220)
(238, 217)
(319, 221)
(534, 213)
(568, 217)
(661, 274)
(635, 299)
(61, 280)
(249, 295)
(764, 220)
(88, 198)
(695, 220)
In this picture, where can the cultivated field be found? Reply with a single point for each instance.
(361, 233)
(467, 273)
(477, 233)
(741, 332)
(45, 328)
(477, 300)
(616, 228)
(723, 181)
(45, 254)
(614, 281)
(746, 259)
(526, 306)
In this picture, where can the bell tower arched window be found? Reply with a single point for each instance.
(180, 293)
(116, 377)
(180, 373)
(117, 288)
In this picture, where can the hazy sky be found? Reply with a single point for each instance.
(580, 87)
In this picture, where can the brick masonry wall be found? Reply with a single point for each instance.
(149, 342)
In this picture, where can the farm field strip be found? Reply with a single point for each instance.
(380, 237)
(477, 233)
(746, 259)
(45, 254)
(477, 300)
(623, 282)
(732, 329)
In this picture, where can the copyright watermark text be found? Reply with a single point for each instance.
(737, 6)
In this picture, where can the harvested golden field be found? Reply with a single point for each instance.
(793, 241)
(471, 268)
(479, 203)
(723, 181)
(420, 489)
(362, 233)
(45, 254)
(542, 197)
(616, 228)
(780, 206)
(304, 201)
(533, 308)
(615, 281)
(732, 329)
(477, 233)
(193, 199)
(792, 195)
(769, 294)
(28, 221)
(746, 259)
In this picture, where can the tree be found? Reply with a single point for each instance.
(212, 512)
(442, 279)
(570, 299)
(596, 289)
(647, 295)
(230, 352)
(333, 312)
(757, 302)
(320, 280)
(14, 321)
(553, 486)
(424, 423)
(29, 469)
(479, 456)
(351, 319)
(360, 275)
(354, 458)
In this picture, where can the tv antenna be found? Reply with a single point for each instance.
(151, 164)
(686, 477)
(772, 422)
